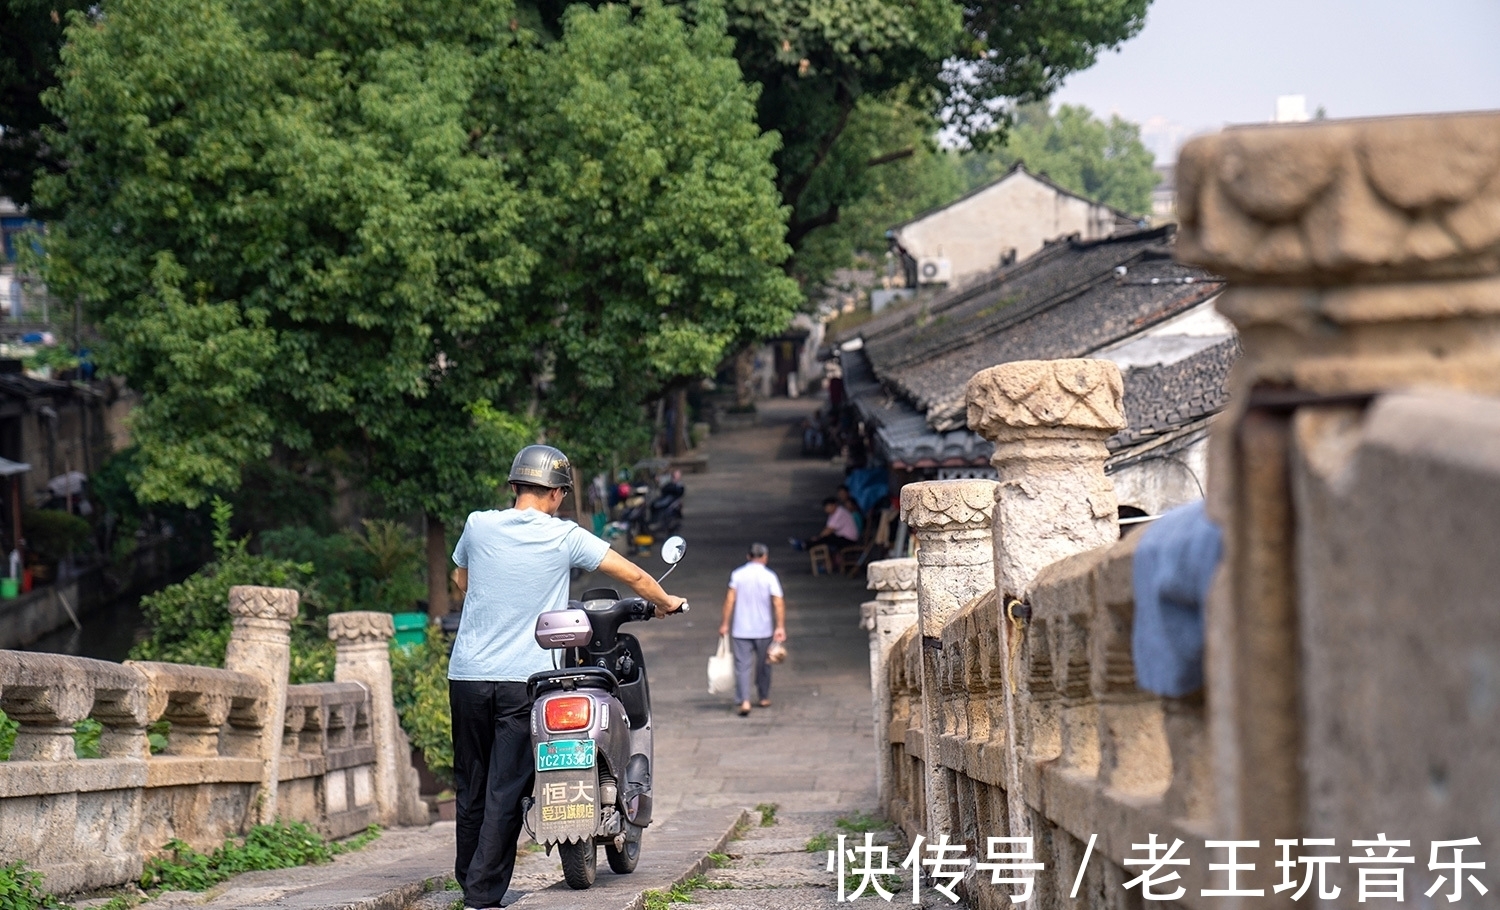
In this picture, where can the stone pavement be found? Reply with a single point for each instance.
(810, 754)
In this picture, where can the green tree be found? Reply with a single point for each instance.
(403, 234)
(960, 63)
(1103, 161)
(824, 68)
(924, 178)
(651, 206)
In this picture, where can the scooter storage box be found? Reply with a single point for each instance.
(563, 629)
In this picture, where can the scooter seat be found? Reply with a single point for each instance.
(571, 678)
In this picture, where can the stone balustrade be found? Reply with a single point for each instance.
(328, 758)
(1350, 632)
(90, 823)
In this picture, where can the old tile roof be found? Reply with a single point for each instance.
(1068, 300)
(1159, 399)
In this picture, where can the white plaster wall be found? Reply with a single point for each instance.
(1018, 212)
(1160, 484)
(1176, 339)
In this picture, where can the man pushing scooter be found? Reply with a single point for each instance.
(513, 565)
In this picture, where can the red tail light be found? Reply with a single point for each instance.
(571, 712)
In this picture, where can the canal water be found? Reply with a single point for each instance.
(108, 633)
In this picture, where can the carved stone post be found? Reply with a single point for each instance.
(260, 646)
(1048, 421)
(890, 614)
(950, 520)
(363, 640)
(1363, 256)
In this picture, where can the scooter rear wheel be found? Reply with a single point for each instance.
(622, 862)
(580, 863)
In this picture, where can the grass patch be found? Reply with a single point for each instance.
(860, 823)
(719, 860)
(891, 883)
(275, 846)
(767, 814)
(357, 842)
(682, 892)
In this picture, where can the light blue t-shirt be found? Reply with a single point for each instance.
(518, 562)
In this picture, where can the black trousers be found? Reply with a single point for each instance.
(492, 772)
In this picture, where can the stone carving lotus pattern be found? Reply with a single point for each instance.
(1076, 394)
(893, 575)
(1388, 198)
(256, 602)
(949, 505)
(361, 626)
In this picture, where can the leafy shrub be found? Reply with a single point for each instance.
(419, 677)
(58, 357)
(190, 621)
(378, 569)
(21, 889)
(276, 846)
(85, 743)
(86, 738)
(8, 730)
(54, 534)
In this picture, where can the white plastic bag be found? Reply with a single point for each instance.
(721, 669)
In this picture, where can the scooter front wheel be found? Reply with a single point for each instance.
(580, 864)
(622, 862)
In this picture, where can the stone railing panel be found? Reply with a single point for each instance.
(74, 820)
(198, 703)
(87, 823)
(328, 757)
(1055, 667)
(47, 694)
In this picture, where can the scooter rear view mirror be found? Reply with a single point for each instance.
(672, 550)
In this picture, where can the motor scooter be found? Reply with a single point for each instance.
(652, 515)
(591, 732)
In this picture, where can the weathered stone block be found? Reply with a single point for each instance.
(1397, 596)
(1356, 200)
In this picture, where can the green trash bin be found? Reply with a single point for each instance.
(10, 587)
(411, 628)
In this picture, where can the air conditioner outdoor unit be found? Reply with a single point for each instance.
(934, 271)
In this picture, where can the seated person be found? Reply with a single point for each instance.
(838, 531)
(846, 502)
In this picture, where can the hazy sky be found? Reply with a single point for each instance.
(1199, 64)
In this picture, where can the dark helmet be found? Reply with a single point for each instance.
(541, 466)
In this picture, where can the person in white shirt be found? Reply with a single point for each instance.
(754, 616)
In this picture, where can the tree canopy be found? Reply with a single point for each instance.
(962, 64)
(403, 235)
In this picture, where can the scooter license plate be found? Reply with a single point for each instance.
(565, 755)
